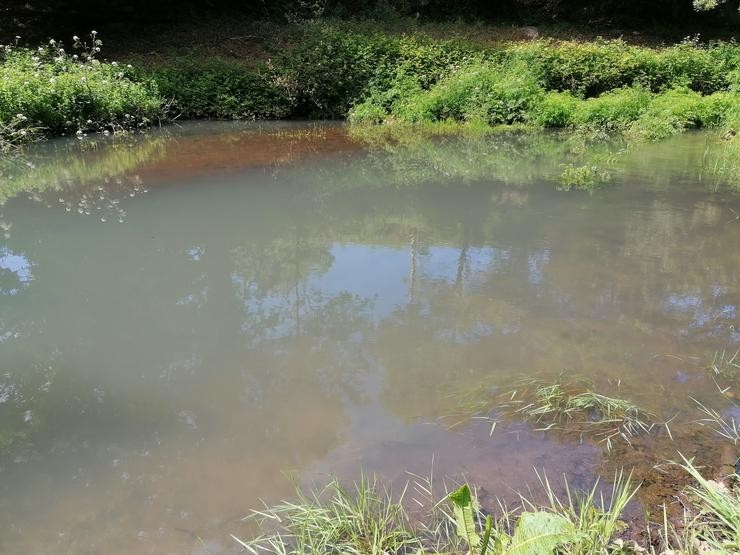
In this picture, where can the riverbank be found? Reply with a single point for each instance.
(372, 74)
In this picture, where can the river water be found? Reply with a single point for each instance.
(190, 317)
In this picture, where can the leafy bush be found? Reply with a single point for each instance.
(218, 88)
(362, 71)
(556, 109)
(333, 68)
(56, 92)
(479, 92)
(613, 109)
(605, 85)
(590, 69)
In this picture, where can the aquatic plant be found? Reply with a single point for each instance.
(566, 406)
(724, 426)
(572, 407)
(586, 177)
(373, 74)
(16, 132)
(726, 364)
(363, 519)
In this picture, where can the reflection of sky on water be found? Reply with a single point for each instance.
(701, 315)
(379, 274)
(374, 272)
(537, 263)
(15, 271)
(383, 273)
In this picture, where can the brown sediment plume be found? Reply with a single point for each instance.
(190, 156)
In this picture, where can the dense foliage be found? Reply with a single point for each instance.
(337, 69)
(656, 93)
(50, 91)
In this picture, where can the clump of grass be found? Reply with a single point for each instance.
(51, 91)
(574, 408)
(364, 520)
(714, 526)
(594, 520)
(726, 427)
(726, 364)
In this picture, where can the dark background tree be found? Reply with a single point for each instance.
(44, 14)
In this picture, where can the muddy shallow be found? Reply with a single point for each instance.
(188, 317)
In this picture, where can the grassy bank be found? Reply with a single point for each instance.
(369, 74)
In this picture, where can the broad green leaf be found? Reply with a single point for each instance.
(540, 533)
(463, 506)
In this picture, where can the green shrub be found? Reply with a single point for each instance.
(556, 109)
(613, 109)
(333, 67)
(590, 69)
(57, 92)
(218, 88)
(480, 91)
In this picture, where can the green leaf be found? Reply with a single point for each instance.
(486, 535)
(463, 505)
(540, 533)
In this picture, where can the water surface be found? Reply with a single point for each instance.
(188, 317)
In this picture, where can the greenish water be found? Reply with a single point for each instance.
(188, 316)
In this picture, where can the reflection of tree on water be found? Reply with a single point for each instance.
(411, 157)
(90, 177)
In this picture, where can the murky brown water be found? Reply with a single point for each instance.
(243, 302)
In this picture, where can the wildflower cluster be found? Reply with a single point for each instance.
(53, 91)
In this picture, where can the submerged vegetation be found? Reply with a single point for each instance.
(574, 408)
(566, 406)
